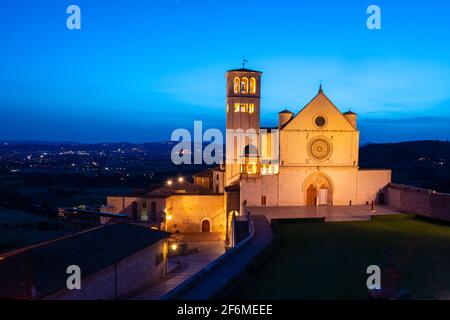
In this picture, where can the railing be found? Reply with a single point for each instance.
(251, 175)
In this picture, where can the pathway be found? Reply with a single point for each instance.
(190, 264)
(233, 265)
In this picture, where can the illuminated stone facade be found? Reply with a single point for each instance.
(310, 158)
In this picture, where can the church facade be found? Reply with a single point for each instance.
(309, 159)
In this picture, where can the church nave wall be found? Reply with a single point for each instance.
(370, 183)
(254, 189)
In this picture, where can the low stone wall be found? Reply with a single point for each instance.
(419, 201)
(131, 273)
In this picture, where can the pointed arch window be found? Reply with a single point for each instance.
(263, 200)
(244, 85)
(153, 211)
(237, 83)
(252, 85)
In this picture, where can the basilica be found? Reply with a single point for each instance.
(309, 159)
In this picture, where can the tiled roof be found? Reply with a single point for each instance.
(243, 70)
(176, 187)
(206, 174)
(44, 267)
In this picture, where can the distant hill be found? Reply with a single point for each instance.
(420, 163)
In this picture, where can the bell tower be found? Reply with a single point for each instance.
(243, 123)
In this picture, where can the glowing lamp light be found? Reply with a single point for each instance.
(174, 247)
(169, 182)
(169, 217)
(180, 179)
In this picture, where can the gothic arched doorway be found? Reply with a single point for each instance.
(318, 190)
(153, 211)
(311, 195)
(206, 226)
(382, 199)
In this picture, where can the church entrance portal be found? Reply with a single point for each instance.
(311, 196)
(318, 190)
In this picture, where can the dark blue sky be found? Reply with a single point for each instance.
(139, 69)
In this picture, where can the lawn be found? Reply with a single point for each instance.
(329, 260)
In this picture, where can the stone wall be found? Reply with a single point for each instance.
(419, 201)
(124, 205)
(253, 189)
(189, 211)
(133, 272)
(370, 184)
(289, 187)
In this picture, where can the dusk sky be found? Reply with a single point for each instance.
(137, 70)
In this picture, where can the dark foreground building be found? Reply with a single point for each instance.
(114, 260)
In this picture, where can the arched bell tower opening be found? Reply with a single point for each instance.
(318, 190)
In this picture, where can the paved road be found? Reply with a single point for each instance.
(234, 265)
(190, 264)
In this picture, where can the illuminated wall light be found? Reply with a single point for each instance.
(174, 247)
(180, 179)
(169, 182)
(169, 217)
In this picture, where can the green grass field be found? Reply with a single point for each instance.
(329, 260)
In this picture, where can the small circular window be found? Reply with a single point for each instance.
(320, 121)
